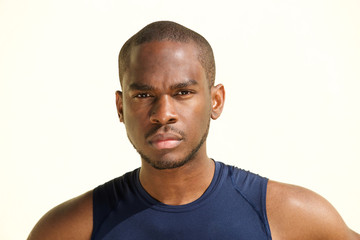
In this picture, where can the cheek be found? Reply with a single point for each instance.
(131, 110)
(134, 121)
(197, 115)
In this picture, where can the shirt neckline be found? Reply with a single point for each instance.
(159, 206)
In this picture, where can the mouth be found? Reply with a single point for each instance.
(162, 141)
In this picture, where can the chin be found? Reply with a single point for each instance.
(166, 163)
(169, 160)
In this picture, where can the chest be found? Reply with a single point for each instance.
(223, 218)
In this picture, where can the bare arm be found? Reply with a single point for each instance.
(296, 213)
(69, 220)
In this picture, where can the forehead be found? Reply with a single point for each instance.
(166, 53)
(164, 61)
(164, 49)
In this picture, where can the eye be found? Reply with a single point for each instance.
(142, 95)
(184, 92)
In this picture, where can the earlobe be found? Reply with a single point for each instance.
(119, 105)
(217, 100)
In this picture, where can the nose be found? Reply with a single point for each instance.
(163, 111)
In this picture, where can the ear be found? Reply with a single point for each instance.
(217, 100)
(119, 105)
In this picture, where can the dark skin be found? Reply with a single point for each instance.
(166, 105)
(159, 91)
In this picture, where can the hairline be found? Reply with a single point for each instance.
(173, 32)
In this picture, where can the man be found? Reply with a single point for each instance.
(168, 97)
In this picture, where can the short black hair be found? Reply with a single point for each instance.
(169, 31)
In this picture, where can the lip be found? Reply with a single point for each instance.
(162, 141)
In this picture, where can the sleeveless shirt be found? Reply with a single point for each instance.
(233, 207)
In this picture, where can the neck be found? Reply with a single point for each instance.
(180, 185)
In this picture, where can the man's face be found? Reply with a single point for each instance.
(166, 103)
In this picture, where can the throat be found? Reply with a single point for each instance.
(178, 186)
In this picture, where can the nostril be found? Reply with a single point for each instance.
(172, 120)
(154, 120)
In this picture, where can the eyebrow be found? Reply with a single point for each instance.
(145, 87)
(188, 83)
(142, 87)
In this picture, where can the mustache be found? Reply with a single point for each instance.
(165, 129)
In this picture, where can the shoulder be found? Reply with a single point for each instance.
(298, 213)
(69, 220)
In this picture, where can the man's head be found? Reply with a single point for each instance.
(169, 31)
(167, 101)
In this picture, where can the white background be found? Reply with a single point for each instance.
(291, 70)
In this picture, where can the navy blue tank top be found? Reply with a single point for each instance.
(233, 207)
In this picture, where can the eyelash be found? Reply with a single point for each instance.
(141, 95)
(187, 92)
(178, 93)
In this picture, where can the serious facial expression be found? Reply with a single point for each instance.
(166, 103)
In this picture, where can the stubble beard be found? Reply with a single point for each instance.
(172, 163)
